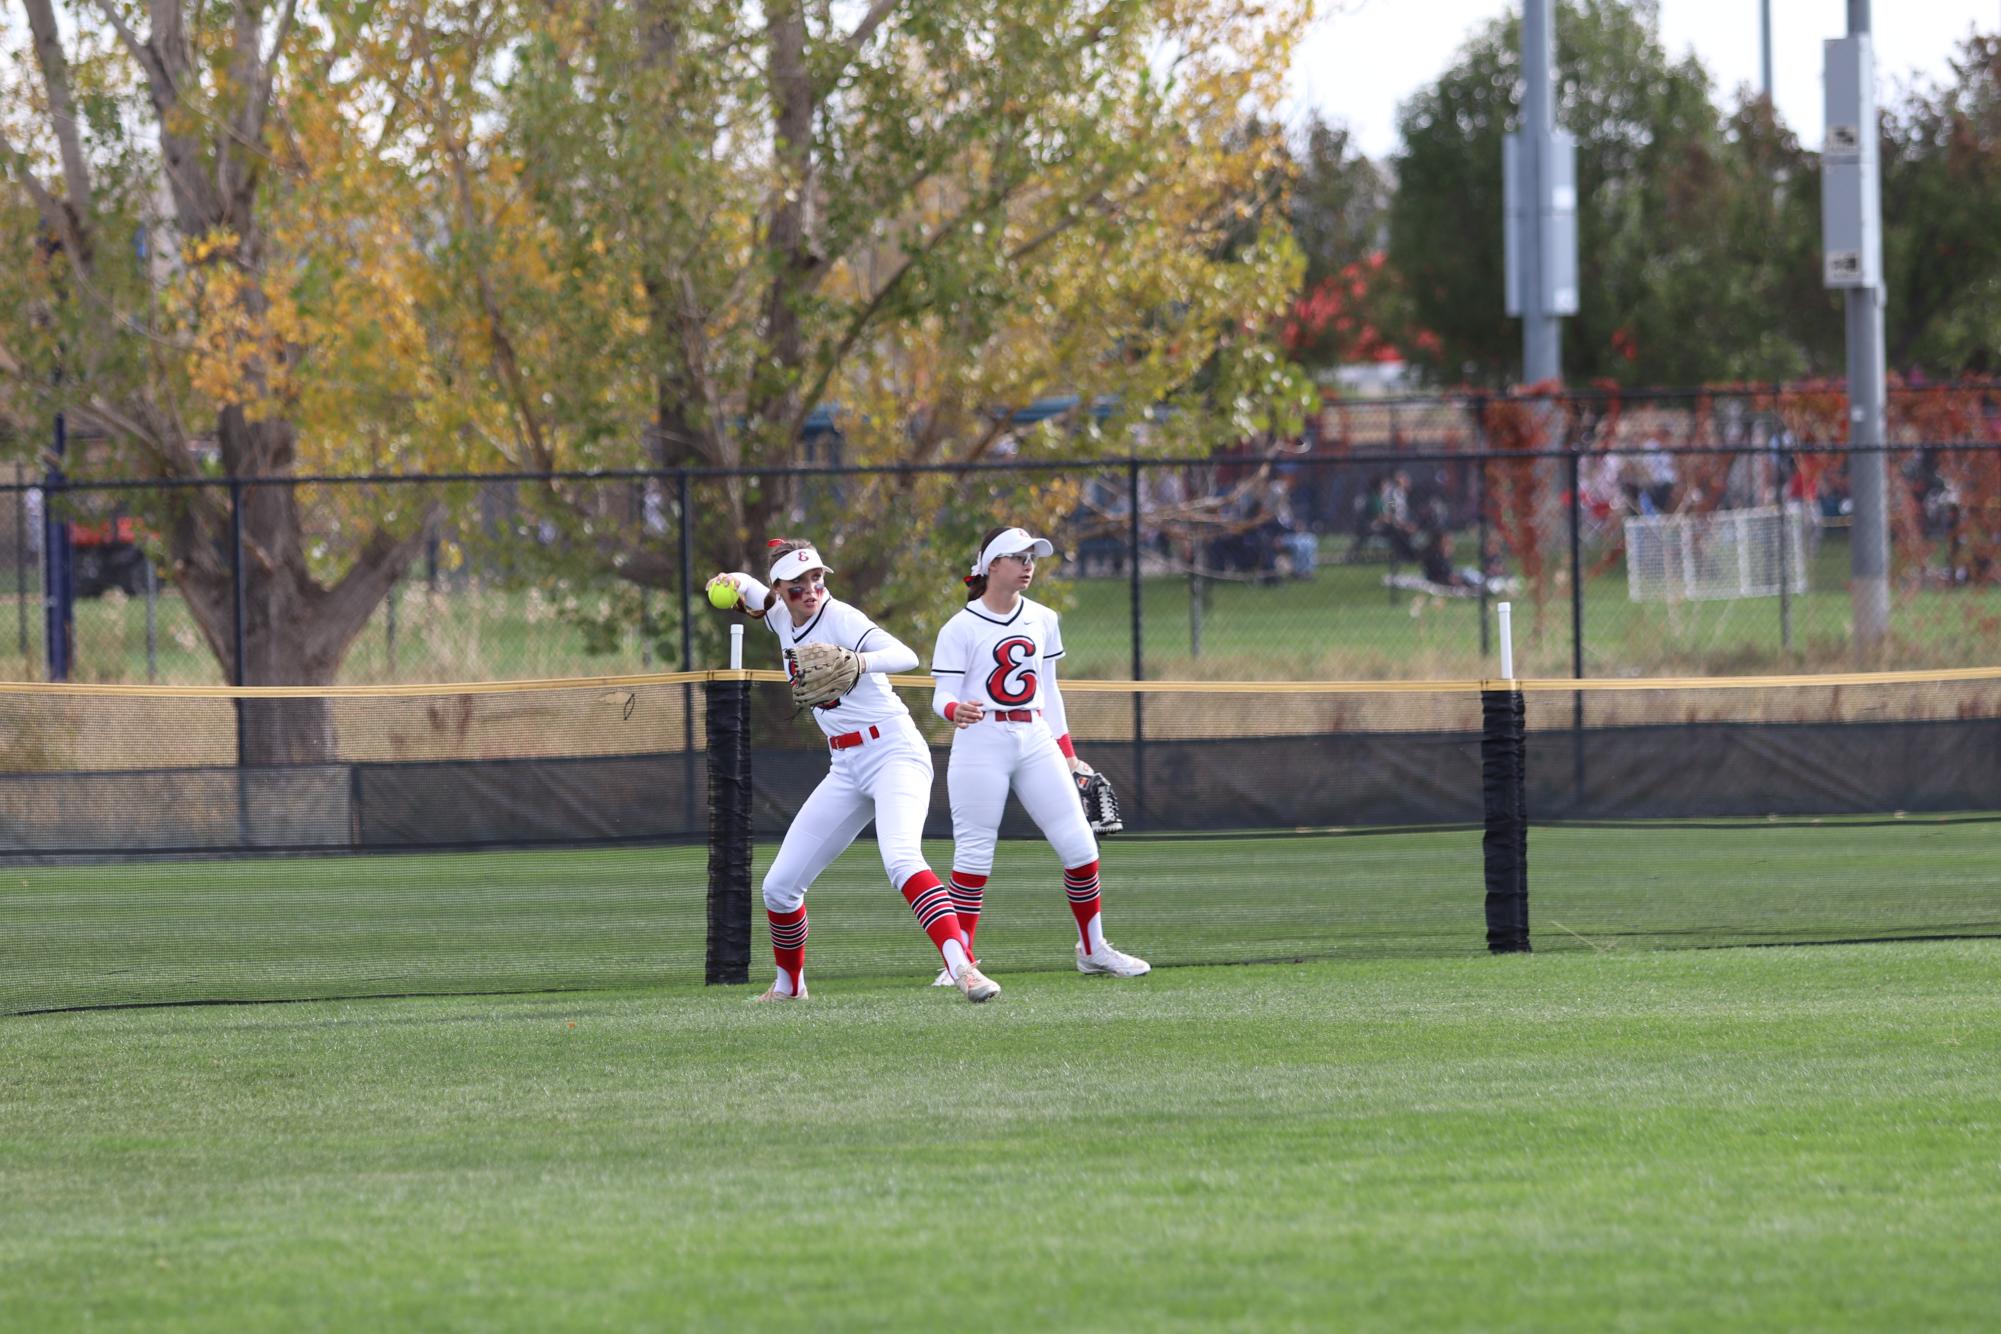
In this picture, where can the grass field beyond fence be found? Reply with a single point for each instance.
(1343, 623)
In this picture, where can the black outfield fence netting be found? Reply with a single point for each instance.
(613, 832)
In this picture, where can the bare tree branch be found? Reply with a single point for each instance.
(260, 101)
(161, 447)
(870, 21)
(928, 448)
(53, 213)
(62, 106)
(158, 80)
(1096, 201)
(532, 444)
(694, 337)
(859, 323)
(347, 606)
(234, 175)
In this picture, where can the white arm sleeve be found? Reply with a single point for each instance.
(754, 592)
(880, 650)
(946, 678)
(887, 653)
(1052, 701)
(1053, 712)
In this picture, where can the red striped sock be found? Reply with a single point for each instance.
(932, 903)
(788, 942)
(969, 891)
(1080, 886)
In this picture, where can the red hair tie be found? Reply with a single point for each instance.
(774, 542)
(969, 580)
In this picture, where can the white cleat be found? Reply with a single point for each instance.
(976, 985)
(944, 978)
(1110, 961)
(776, 995)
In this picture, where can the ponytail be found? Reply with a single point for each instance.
(976, 584)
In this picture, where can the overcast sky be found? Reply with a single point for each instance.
(1366, 56)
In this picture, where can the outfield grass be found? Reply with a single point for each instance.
(1733, 1139)
(249, 929)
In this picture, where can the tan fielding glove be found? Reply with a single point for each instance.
(822, 673)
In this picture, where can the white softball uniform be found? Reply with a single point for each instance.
(880, 768)
(872, 700)
(1008, 666)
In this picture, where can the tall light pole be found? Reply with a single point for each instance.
(1765, 47)
(1852, 236)
(1539, 188)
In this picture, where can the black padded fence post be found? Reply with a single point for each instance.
(1134, 591)
(686, 535)
(1503, 775)
(238, 665)
(729, 832)
(1576, 515)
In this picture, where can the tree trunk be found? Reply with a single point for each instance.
(286, 731)
(296, 631)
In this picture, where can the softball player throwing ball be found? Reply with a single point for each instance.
(880, 768)
(995, 668)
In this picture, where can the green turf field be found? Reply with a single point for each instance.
(1727, 1139)
(151, 932)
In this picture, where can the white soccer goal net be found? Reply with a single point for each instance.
(1725, 554)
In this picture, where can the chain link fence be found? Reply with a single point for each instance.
(1678, 534)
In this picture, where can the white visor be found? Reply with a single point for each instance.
(795, 563)
(1013, 542)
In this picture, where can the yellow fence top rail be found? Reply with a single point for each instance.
(1824, 681)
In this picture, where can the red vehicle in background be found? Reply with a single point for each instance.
(106, 554)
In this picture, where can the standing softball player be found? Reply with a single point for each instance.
(880, 768)
(995, 668)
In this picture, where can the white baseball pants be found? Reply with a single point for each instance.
(988, 760)
(888, 780)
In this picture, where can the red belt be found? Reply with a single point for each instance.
(849, 740)
(1013, 715)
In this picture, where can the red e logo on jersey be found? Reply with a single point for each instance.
(1011, 684)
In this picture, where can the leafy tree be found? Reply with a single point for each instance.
(1769, 211)
(1352, 307)
(1340, 201)
(1655, 255)
(679, 230)
(1358, 313)
(1941, 155)
(221, 281)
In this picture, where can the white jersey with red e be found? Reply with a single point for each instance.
(1007, 664)
(871, 703)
